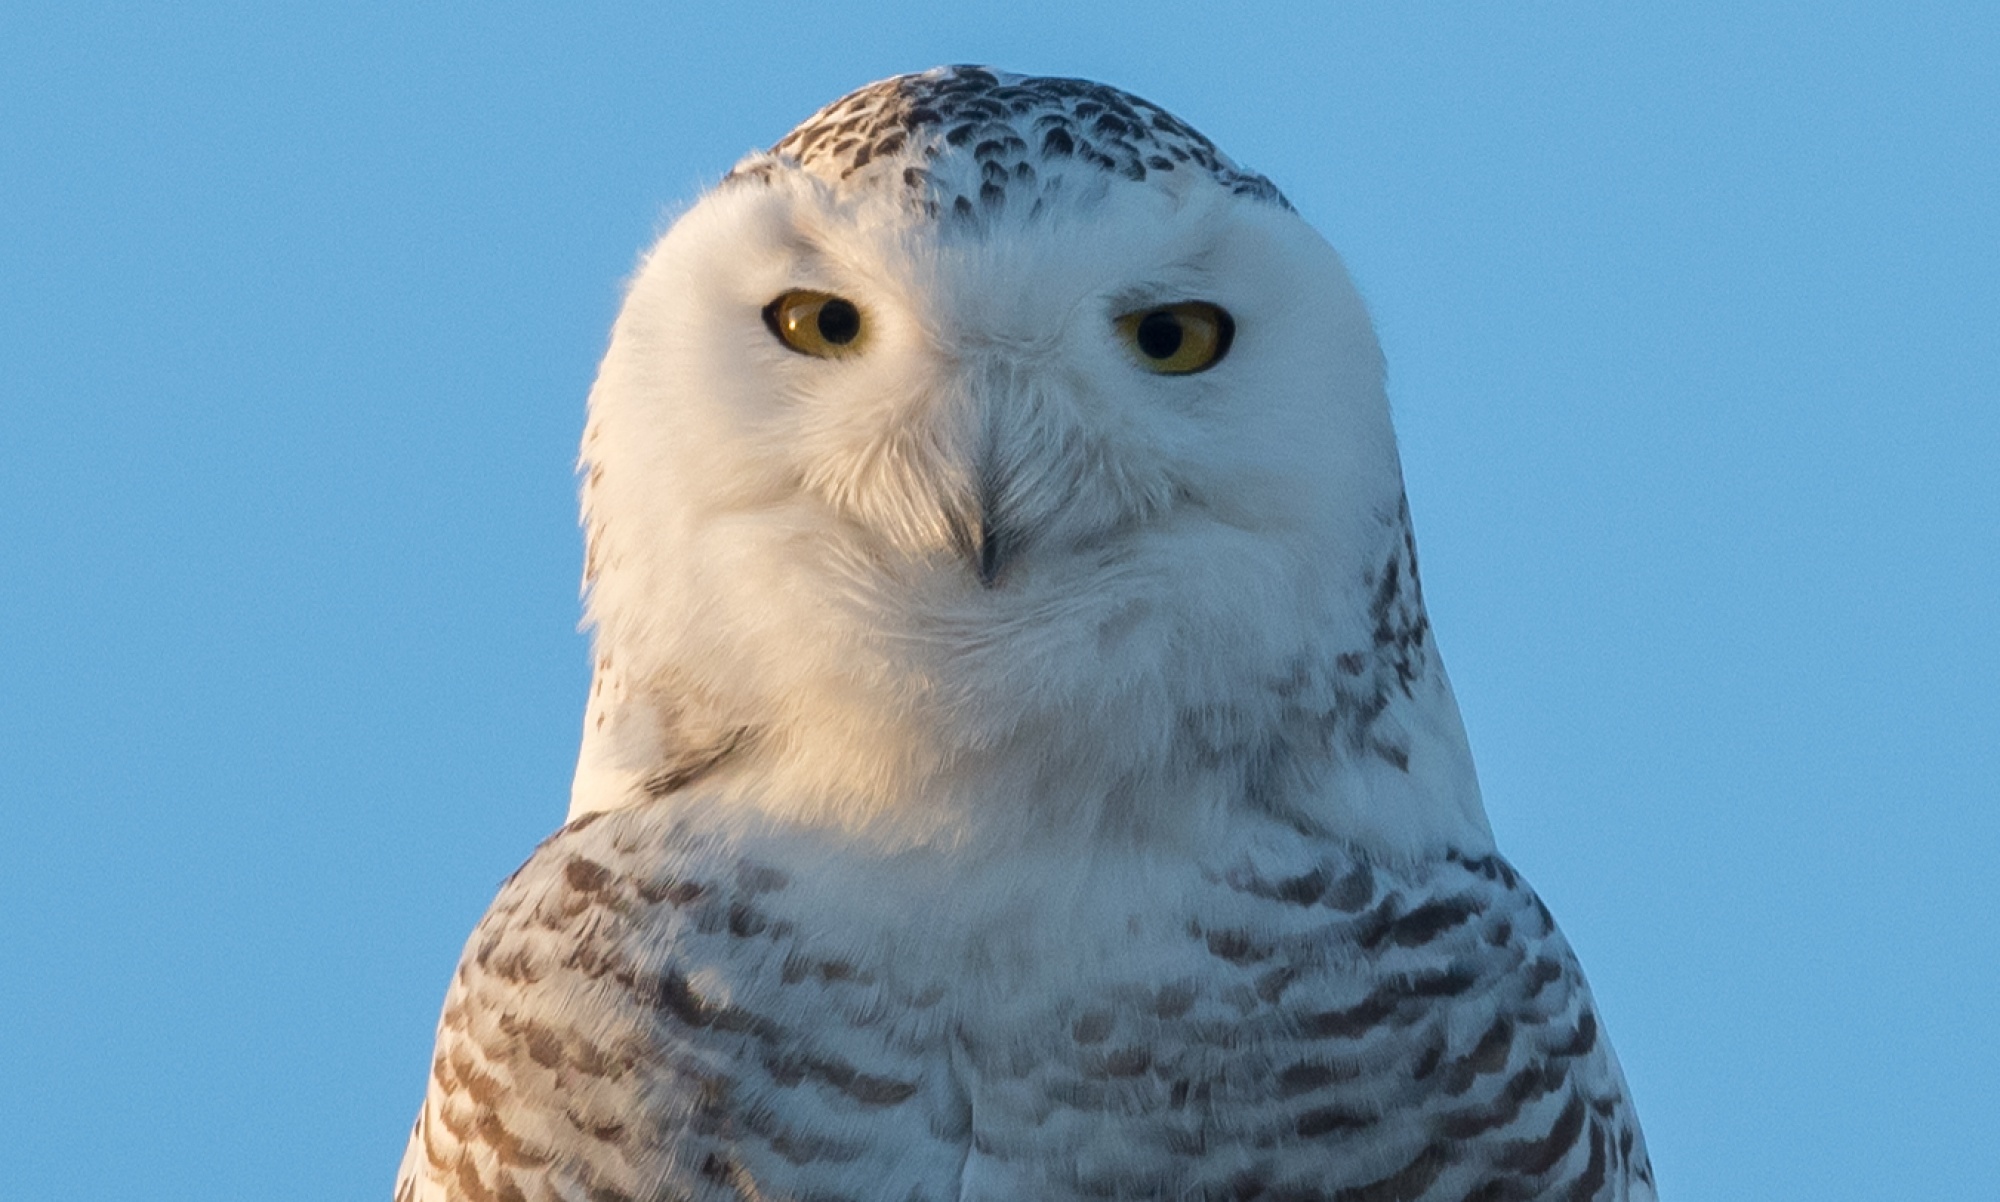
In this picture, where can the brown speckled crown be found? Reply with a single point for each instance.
(968, 140)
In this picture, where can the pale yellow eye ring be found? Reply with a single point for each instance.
(819, 324)
(1178, 339)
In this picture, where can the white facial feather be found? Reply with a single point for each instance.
(778, 548)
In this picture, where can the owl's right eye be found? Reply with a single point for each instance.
(1179, 339)
(816, 323)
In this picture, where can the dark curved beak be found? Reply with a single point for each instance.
(992, 551)
(984, 537)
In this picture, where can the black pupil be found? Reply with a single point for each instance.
(839, 322)
(1159, 335)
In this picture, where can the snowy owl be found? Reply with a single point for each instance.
(1018, 765)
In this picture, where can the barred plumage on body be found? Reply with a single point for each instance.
(1018, 765)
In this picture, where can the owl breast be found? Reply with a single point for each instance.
(1279, 1018)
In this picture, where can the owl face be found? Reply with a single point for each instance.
(997, 404)
(945, 425)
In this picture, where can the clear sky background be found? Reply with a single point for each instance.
(1693, 321)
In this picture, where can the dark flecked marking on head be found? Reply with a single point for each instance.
(1006, 121)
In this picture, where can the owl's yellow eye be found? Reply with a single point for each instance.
(1178, 339)
(816, 323)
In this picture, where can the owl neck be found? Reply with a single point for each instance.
(1354, 735)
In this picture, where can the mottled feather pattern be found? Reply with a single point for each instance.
(968, 142)
(1317, 1026)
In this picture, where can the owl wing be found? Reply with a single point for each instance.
(629, 1023)
(1337, 1029)
(637, 1018)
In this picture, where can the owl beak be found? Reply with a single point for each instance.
(983, 536)
(991, 558)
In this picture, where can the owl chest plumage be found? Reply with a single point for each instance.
(656, 1010)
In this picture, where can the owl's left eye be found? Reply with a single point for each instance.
(816, 323)
(1179, 339)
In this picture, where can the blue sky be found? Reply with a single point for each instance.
(1691, 320)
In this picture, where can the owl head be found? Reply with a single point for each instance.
(995, 457)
